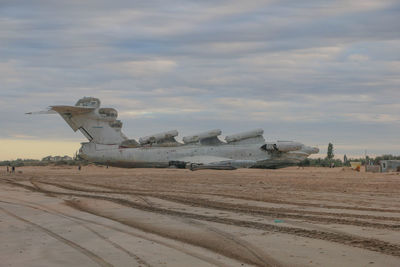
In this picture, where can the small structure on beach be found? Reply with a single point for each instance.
(372, 168)
(390, 165)
(355, 165)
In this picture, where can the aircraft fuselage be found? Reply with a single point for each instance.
(150, 156)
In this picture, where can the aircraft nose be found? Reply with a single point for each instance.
(311, 150)
(315, 150)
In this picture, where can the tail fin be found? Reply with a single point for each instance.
(98, 125)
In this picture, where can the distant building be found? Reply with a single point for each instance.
(390, 165)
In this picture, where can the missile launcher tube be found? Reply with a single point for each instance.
(197, 137)
(283, 146)
(244, 135)
(158, 137)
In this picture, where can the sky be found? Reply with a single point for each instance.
(312, 71)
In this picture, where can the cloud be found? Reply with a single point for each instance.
(358, 58)
(312, 71)
(138, 68)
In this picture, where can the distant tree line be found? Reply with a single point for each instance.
(43, 162)
(325, 162)
(22, 162)
(329, 160)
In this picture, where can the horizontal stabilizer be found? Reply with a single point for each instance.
(98, 125)
(71, 109)
(50, 111)
(62, 110)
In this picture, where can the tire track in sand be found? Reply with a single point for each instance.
(360, 242)
(97, 259)
(237, 249)
(79, 222)
(267, 200)
(286, 213)
(174, 193)
(114, 228)
(188, 232)
(252, 210)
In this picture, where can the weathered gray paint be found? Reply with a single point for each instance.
(108, 145)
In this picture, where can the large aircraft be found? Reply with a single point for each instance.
(109, 146)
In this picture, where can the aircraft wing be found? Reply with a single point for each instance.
(215, 163)
(204, 159)
(50, 111)
(71, 109)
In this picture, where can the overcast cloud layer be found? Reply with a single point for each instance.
(316, 72)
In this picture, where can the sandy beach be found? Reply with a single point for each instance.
(59, 216)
